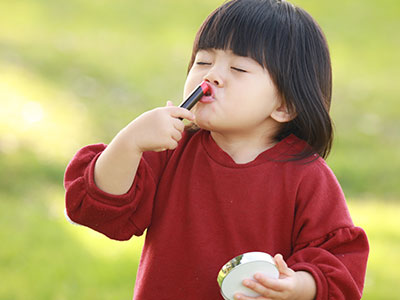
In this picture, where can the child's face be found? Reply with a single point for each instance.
(244, 98)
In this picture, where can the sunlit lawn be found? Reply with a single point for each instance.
(381, 221)
(44, 257)
(75, 72)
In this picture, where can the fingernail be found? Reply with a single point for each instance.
(237, 297)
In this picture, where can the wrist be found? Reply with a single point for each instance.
(307, 286)
(127, 141)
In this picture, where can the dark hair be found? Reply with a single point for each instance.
(289, 43)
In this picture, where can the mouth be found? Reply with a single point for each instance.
(209, 95)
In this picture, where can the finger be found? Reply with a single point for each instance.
(171, 145)
(260, 289)
(169, 103)
(176, 135)
(179, 112)
(179, 125)
(282, 266)
(280, 263)
(270, 283)
(243, 297)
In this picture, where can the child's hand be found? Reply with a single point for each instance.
(158, 129)
(290, 285)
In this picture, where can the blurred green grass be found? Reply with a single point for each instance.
(75, 72)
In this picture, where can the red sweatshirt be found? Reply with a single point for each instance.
(201, 209)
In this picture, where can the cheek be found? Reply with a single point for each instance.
(185, 91)
(190, 84)
(186, 86)
(193, 79)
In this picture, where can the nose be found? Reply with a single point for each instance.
(215, 77)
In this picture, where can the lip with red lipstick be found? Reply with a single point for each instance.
(208, 95)
(203, 92)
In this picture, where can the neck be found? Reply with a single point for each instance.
(243, 148)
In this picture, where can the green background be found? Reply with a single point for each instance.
(75, 72)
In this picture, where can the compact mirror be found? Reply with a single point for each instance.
(244, 266)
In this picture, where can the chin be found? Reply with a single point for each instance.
(209, 126)
(204, 125)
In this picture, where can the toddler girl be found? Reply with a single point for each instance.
(248, 175)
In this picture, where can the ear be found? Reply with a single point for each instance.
(283, 114)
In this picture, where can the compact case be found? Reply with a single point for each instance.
(244, 266)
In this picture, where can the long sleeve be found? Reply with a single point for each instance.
(325, 241)
(337, 263)
(117, 216)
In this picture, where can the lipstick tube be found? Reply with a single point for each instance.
(195, 96)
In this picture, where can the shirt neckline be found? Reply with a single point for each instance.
(279, 152)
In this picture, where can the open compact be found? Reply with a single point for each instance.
(244, 266)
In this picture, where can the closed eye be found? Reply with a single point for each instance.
(238, 70)
(202, 63)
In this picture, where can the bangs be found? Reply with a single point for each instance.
(245, 29)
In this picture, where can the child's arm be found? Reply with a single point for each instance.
(290, 285)
(329, 254)
(156, 130)
(119, 201)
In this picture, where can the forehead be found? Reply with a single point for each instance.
(244, 27)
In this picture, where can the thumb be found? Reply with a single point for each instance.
(282, 266)
(169, 103)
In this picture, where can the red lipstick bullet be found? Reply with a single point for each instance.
(196, 95)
